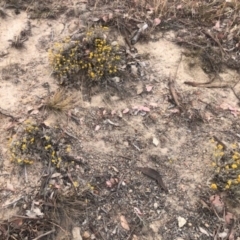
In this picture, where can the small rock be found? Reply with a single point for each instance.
(155, 141)
(181, 221)
(76, 234)
(86, 235)
(116, 79)
(155, 205)
(139, 89)
(134, 237)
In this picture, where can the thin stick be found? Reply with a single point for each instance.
(44, 234)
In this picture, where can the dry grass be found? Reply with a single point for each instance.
(59, 102)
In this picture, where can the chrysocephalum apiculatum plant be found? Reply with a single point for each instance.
(92, 56)
(226, 166)
(32, 142)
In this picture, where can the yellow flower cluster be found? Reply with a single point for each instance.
(20, 148)
(64, 61)
(30, 142)
(54, 158)
(93, 56)
(102, 59)
(227, 173)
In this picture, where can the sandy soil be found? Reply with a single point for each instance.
(182, 152)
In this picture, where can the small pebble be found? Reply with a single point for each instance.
(155, 205)
(86, 235)
(181, 221)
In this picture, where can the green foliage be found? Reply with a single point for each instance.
(93, 56)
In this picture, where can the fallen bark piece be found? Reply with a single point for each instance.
(152, 173)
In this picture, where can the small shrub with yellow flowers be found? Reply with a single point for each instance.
(33, 142)
(226, 169)
(92, 56)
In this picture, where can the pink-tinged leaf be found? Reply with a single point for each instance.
(125, 111)
(174, 110)
(108, 183)
(110, 16)
(229, 217)
(97, 128)
(34, 112)
(208, 116)
(10, 187)
(217, 25)
(124, 223)
(145, 109)
(142, 108)
(113, 112)
(224, 106)
(217, 203)
(149, 88)
(232, 235)
(95, 19)
(105, 18)
(179, 6)
(148, 6)
(137, 211)
(104, 112)
(153, 105)
(112, 182)
(156, 21)
(234, 111)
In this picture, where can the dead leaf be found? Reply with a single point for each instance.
(234, 111)
(156, 21)
(97, 128)
(95, 19)
(137, 211)
(17, 223)
(153, 105)
(149, 88)
(105, 18)
(124, 223)
(145, 109)
(179, 6)
(202, 230)
(10, 187)
(55, 175)
(125, 111)
(112, 182)
(34, 112)
(229, 217)
(152, 173)
(113, 112)
(232, 235)
(174, 110)
(142, 108)
(217, 25)
(217, 203)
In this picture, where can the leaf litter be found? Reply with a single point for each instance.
(83, 188)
